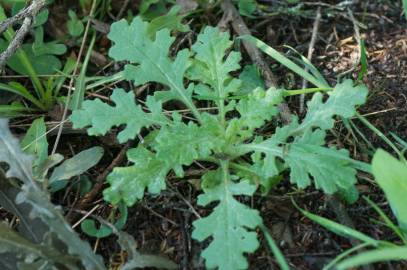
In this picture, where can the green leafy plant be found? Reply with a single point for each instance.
(227, 139)
(246, 7)
(44, 238)
(35, 143)
(74, 25)
(34, 59)
(40, 55)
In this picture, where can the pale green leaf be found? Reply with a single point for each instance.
(20, 164)
(251, 79)
(20, 167)
(77, 165)
(132, 43)
(247, 7)
(101, 117)
(35, 141)
(212, 65)
(128, 184)
(330, 168)
(342, 102)
(172, 21)
(180, 144)
(229, 224)
(259, 106)
(391, 175)
(307, 158)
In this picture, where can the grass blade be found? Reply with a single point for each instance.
(284, 60)
(383, 254)
(338, 228)
(274, 248)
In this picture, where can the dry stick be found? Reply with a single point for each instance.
(357, 36)
(29, 11)
(123, 9)
(309, 55)
(239, 26)
(15, 42)
(68, 97)
(28, 14)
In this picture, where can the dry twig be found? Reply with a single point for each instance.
(231, 14)
(28, 15)
(72, 80)
(310, 52)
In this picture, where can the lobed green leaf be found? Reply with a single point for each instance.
(229, 224)
(128, 184)
(100, 117)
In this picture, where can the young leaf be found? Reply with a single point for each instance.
(74, 25)
(251, 79)
(171, 21)
(180, 144)
(228, 224)
(88, 226)
(342, 102)
(101, 117)
(329, 167)
(210, 65)
(258, 107)
(43, 64)
(129, 183)
(132, 43)
(51, 48)
(247, 7)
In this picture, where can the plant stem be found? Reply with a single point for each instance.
(379, 133)
(224, 164)
(288, 93)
